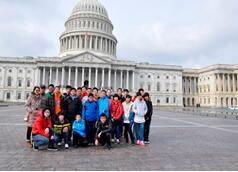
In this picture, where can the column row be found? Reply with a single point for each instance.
(226, 82)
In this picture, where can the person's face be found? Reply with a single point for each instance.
(88, 91)
(42, 91)
(146, 98)
(125, 93)
(142, 93)
(51, 89)
(68, 90)
(90, 99)
(57, 90)
(103, 119)
(119, 92)
(47, 113)
(95, 92)
(140, 97)
(128, 100)
(79, 92)
(115, 98)
(61, 117)
(78, 117)
(109, 93)
(83, 89)
(37, 91)
(73, 92)
(103, 94)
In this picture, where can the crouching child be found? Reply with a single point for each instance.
(61, 129)
(79, 132)
(42, 132)
(103, 133)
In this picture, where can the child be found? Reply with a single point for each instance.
(103, 133)
(128, 115)
(148, 117)
(140, 109)
(42, 132)
(116, 111)
(90, 115)
(79, 133)
(62, 128)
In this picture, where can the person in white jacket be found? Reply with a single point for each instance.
(140, 109)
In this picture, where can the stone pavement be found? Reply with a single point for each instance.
(178, 142)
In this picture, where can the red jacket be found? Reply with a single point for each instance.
(41, 124)
(116, 110)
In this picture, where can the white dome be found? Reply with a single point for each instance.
(88, 29)
(87, 6)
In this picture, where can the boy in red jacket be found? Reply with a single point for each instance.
(42, 132)
(116, 112)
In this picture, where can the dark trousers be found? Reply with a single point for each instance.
(79, 140)
(90, 130)
(147, 129)
(60, 137)
(127, 131)
(116, 129)
(28, 133)
(105, 138)
(71, 121)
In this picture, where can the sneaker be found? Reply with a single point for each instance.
(66, 146)
(138, 142)
(142, 143)
(52, 148)
(147, 142)
(59, 144)
(118, 141)
(113, 140)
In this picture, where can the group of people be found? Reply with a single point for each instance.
(86, 117)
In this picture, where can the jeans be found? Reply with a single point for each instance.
(117, 129)
(128, 130)
(90, 130)
(139, 131)
(41, 141)
(59, 137)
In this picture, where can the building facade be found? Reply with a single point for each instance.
(88, 57)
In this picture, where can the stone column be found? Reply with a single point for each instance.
(90, 73)
(85, 42)
(39, 75)
(115, 79)
(50, 75)
(44, 75)
(83, 76)
(237, 84)
(103, 76)
(109, 78)
(91, 42)
(121, 78)
(127, 79)
(133, 81)
(96, 43)
(96, 77)
(69, 79)
(229, 82)
(62, 77)
(57, 76)
(233, 83)
(224, 80)
(106, 45)
(70, 42)
(195, 85)
(76, 77)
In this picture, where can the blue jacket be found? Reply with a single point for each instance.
(103, 104)
(131, 117)
(79, 127)
(90, 111)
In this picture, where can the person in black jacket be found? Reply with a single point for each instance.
(148, 117)
(72, 107)
(103, 133)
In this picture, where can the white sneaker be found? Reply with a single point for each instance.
(118, 141)
(66, 146)
(113, 140)
(59, 144)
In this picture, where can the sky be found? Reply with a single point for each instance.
(189, 33)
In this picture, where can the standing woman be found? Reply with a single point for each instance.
(32, 108)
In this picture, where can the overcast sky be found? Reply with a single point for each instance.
(191, 33)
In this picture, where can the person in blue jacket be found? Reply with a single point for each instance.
(79, 132)
(103, 104)
(90, 115)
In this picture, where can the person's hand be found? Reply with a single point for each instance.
(26, 119)
(52, 138)
(65, 130)
(99, 135)
(47, 131)
(96, 142)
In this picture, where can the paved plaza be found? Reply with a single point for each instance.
(179, 141)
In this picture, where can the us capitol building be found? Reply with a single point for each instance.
(87, 55)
